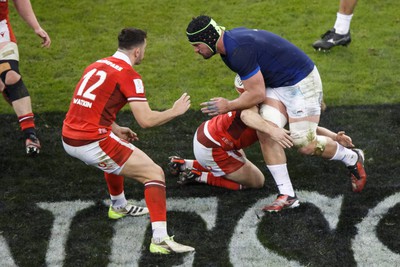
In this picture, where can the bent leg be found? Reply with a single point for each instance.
(248, 175)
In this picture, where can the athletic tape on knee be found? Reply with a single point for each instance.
(16, 91)
(273, 115)
(321, 144)
(303, 133)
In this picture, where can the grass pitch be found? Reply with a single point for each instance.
(51, 207)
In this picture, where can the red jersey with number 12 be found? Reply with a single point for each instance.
(106, 86)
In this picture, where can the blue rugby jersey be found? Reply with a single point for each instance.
(281, 62)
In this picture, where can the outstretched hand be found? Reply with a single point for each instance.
(182, 104)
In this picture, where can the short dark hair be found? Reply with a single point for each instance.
(129, 38)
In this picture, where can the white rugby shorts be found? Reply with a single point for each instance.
(109, 154)
(294, 103)
(217, 160)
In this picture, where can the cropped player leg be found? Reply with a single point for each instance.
(15, 89)
(142, 168)
(16, 93)
(191, 164)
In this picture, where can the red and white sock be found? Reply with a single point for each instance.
(27, 123)
(155, 196)
(115, 184)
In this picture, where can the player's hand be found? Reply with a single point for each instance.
(45, 37)
(126, 134)
(281, 136)
(182, 104)
(344, 140)
(216, 105)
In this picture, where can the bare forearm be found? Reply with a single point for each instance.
(247, 100)
(156, 118)
(325, 132)
(252, 119)
(24, 9)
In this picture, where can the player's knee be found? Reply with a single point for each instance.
(259, 183)
(245, 114)
(157, 174)
(315, 147)
(12, 77)
(256, 181)
(9, 71)
(14, 86)
(16, 91)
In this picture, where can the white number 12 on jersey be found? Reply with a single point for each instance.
(88, 92)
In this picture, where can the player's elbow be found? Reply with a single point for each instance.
(144, 124)
(260, 97)
(245, 116)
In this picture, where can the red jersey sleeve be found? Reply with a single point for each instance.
(132, 87)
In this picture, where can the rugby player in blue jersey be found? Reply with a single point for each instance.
(286, 84)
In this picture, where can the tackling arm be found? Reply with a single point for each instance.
(252, 119)
(254, 93)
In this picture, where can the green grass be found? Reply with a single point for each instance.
(84, 31)
(361, 90)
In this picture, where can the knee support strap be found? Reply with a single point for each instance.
(16, 91)
(6, 66)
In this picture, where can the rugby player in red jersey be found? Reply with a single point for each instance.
(91, 134)
(11, 83)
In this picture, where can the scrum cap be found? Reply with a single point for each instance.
(204, 29)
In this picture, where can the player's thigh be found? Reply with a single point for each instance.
(217, 160)
(142, 168)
